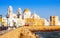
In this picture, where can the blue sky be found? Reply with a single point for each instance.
(44, 8)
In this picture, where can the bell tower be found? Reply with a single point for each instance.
(10, 11)
(19, 15)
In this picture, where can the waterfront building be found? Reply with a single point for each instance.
(41, 22)
(26, 18)
(0, 20)
(54, 20)
(31, 21)
(34, 20)
(4, 21)
(22, 18)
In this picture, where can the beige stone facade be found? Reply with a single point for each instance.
(32, 21)
(53, 20)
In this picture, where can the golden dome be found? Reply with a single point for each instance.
(27, 10)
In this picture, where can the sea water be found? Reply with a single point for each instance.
(55, 34)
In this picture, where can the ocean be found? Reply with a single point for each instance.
(55, 34)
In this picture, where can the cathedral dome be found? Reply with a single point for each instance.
(26, 10)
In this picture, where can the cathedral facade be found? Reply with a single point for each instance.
(22, 18)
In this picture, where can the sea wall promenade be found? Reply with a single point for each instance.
(27, 31)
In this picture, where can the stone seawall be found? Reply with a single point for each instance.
(27, 31)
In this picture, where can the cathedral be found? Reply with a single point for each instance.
(24, 18)
(21, 18)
